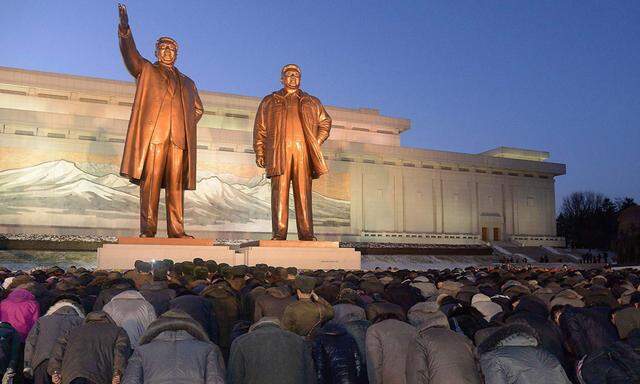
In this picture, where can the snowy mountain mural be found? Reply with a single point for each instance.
(62, 194)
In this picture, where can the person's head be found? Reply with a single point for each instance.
(290, 77)
(160, 273)
(556, 312)
(145, 267)
(166, 50)
(304, 286)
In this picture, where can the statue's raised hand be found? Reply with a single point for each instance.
(124, 18)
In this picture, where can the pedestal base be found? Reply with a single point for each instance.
(127, 251)
(300, 254)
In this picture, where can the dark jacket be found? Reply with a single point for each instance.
(358, 330)
(267, 354)
(227, 308)
(511, 356)
(336, 357)
(96, 350)
(158, 294)
(201, 310)
(9, 347)
(175, 349)
(61, 317)
(586, 330)
(619, 363)
(404, 295)
(272, 303)
(378, 308)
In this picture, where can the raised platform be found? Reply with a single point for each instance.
(300, 254)
(129, 249)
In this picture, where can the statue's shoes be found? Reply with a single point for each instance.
(183, 236)
(147, 235)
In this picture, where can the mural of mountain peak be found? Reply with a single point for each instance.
(63, 193)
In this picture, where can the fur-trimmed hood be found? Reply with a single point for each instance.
(174, 320)
(65, 306)
(512, 335)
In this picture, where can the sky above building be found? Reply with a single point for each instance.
(560, 76)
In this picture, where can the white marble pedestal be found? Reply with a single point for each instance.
(300, 254)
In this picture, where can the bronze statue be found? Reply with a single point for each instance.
(160, 148)
(289, 129)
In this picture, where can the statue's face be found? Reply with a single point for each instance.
(166, 53)
(291, 79)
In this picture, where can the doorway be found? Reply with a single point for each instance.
(496, 234)
(485, 234)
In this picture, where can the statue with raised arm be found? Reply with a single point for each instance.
(160, 146)
(289, 129)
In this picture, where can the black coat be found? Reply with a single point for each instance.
(619, 363)
(159, 295)
(201, 310)
(9, 347)
(586, 330)
(336, 357)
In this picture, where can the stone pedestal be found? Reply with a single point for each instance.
(129, 249)
(300, 254)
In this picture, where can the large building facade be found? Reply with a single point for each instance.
(61, 141)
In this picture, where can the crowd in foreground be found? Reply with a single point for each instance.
(200, 322)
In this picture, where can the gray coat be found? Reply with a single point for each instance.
(61, 317)
(175, 349)
(511, 355)
(131, 311)
(268, 354)
(440, 355)
(387, 344)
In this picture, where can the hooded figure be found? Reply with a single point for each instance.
(437, 354)
(175, 349)
(511, 355)
(96, 350)
(59, 319)
(21, 310)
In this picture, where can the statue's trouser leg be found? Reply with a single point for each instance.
(174, 191)
(280, 202)
(150, 185)
(301, 180)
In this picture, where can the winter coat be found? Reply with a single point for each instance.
(96, 350)
(627, 320)
(567, 297)
(132, 312)
(336, 357)
(227, 308)
(619, 363)
(175, 349)
(427, 289)
(60, 318)
(439, 355)
(586, 330)
(107, 294)
(21, 310)
(403, 294)
(387, 344)
(201, 310)
(345, 312)
(9, 347)
(272, 303)
(484, 304)
(158, 294)
(511, 356)
(304, 316)
(358, 330)
(268, 354)
(378, 308)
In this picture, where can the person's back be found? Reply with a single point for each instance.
(268, 354)
(387, 344)
(96, 350)
(512, 355)
(336, 357)
(21, 310)
(158, 294)
(437, 354)
(586, 330)
(175, 349)
(302, 317)
(618, 363)
(132, 312)
(272, 303)
(60, 318)
(201, 310)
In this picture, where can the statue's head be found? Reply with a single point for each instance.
(290, 77)
(166, 50)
